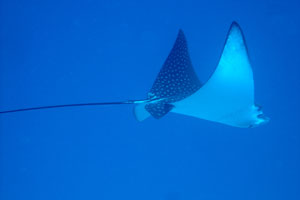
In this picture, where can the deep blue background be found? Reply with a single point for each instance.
(58, 51)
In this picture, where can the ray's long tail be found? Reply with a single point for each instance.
(75, 105)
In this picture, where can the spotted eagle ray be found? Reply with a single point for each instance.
(227, 97)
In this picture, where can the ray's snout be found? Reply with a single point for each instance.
(260, 118)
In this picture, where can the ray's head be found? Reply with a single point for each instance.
(258, 118)
(248, 118)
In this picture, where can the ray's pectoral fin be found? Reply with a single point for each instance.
(228, 96)
(175, 81)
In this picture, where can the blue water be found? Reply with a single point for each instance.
(57, 52)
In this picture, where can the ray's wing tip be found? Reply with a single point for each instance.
(180, 39)
(236, 31)
(235, 24)
(180, 34)
(235, 27)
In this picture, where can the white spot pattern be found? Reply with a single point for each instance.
(175, 81)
